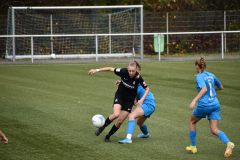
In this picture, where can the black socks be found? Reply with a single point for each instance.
(107, 122)
(112, 131)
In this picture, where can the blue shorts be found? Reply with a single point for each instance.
(212, 113)
(148, 109)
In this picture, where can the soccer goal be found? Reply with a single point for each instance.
(74, 32)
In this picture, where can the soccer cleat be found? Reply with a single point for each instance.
(229, 149)
(99, 131)
(191, 149)
(107, 138)
(125, 141)
(143, 135)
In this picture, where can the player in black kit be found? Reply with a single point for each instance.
(124, 96)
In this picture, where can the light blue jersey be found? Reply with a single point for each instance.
(209, 80)
(208, 105)
(148, 105)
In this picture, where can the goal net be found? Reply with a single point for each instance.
(70, 32)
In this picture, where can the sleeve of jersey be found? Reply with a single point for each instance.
(200, 81)
(142, 82)
(217, 82)
(118, 71)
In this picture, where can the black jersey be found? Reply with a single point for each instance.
(128, 86)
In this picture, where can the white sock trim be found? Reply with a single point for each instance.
(129, 136)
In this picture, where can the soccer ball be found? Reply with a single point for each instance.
(98, 120)
(53, 56)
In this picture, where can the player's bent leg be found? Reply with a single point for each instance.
(123, 115)
(112, 117)
(116, 112)
(138, 112)
(223, 137)
(193, 121)
(213, 127)
(148, 109)
(131, 125)
(192, 134)
(143, 127)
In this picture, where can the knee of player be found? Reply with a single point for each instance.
(214, 131)
(120, 120)
(131, 116)
(192, 122)
(116, 115)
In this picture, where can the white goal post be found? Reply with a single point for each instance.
(28, 25)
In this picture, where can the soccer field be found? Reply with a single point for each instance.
(46, 110)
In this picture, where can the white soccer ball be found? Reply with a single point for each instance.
(98, 120)
(53, 56)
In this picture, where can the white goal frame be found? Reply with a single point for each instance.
(13, 35)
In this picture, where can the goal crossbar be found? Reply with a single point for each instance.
(81, 7)
(71, 56)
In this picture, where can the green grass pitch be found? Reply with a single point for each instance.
(46, 110)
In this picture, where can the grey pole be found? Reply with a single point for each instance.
(51, 29)
(222, 45)
(96, 43)
(13, 39)
(142, 47)
(110, 31)
(225, 28)
(167, 32)
(32, 51)
(159, 46)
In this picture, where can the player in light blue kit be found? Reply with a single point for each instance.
(207, 105)
(142, 113)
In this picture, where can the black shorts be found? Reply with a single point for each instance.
(126, 103)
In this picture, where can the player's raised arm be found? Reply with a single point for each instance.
(93, 71)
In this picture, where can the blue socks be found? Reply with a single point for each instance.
(144, 129)
(192, 136)
(222, 136)
(131, 126)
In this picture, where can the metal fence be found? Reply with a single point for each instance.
(219, 48)
(194, 21)
(191, 21)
